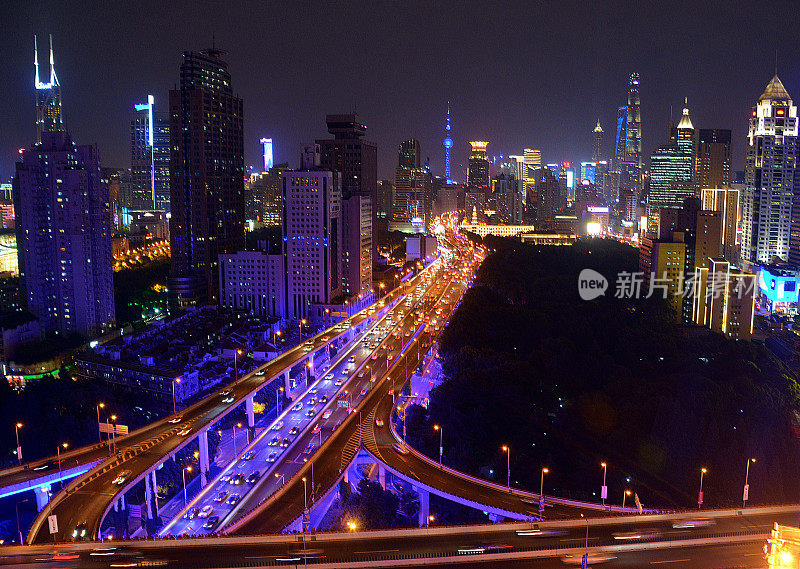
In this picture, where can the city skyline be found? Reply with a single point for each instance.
(591, 72)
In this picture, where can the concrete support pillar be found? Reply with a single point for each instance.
(42, 497)
(251, 418)
(495, 518)
(310, 367)
(286, 383)
(382, 475)
(202, 441)
(116, 505)
(424, 507)
(155, 491)
(122, 501)
(148, 496)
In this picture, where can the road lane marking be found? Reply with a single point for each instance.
(377, 551)
(670, 561)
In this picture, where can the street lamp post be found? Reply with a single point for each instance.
(625, 494)
(236, 353)
(278, 400)
(441, 449)
(700, 493)
(183, 475)
(541, 490)
(404, 421)
(19, 530)
(176, 380)
(604, 489)
(507, 450)
(281, 477)
(58, 454)
(98, 407)
(17, 427)
(746, 493)
(235, 452)
(114, 433)
(303, 521)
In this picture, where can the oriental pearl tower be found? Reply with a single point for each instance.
(448, 144)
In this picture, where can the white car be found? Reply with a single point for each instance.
(176, 420)
(205, 512)
(297, 407)
(277, 426)
(121, 477)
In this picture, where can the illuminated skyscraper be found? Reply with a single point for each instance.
(448, 144)
(408, 182)
(597, 142)
(714, 158)
(633, 132)
(206, 175)
(149, 159)
(478, 166)
(672, 167)
(63, 225)
(266, 146)
(771, 200)
(48, 97)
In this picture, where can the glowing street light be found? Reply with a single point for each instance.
(604, 488)
(700, 493)
(441, 449)
(17, 427)
(625, 495)
(507, 450)
(541, 487)
(176, 380)
(183, 475)
(746, 493)
(351, 525)
(99, 433)
(58, 453)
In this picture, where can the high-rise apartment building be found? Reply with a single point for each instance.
(724, 300)
(770, 202)
(633, 132)
(478, 167)
(150, 157)
(407, 182)
(263, 196)
(383, 207)
(63, 226)
(266, 151)
(597, 142)
(48, 97)
(206, 176)
(672, 167)
(708, 240)
(714, 158)
(725, 201)
(312, 235)
(356, 160)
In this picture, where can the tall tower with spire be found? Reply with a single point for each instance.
(633, 131)
(448, 144)
(48, 97)
(597, 142)
(771, 197)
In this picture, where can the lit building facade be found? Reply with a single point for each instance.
(48, 97)
(672, 167)
(206, 176)
(312, 235)
(725, 201)
(150, 157)
(724, 300)
(770, 201)
(597, 142)
(64, 237)
(714, 158)
(478, 166)
(252, 281)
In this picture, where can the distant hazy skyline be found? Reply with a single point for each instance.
(516, 73)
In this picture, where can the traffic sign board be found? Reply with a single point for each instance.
(52, 523)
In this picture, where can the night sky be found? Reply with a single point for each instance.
(518, 74)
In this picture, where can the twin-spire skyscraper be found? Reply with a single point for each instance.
(48, 97)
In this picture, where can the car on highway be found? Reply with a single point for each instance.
(339, 382)
(234, 499)
(238, 479)
(224, 392)
(227, 477)
(186, 531)
(310, 413)
(211, 523)
(228, 399)
(79, 533)
(121, 477)
(191, 513)
(249, 456)
(294, 430)
(379, 422)
(275, 441)
(364, 391)
(205, 512)
(176, 419)
(185, 430)
(297, 407)
(400, 448)
(313, 391)
(324, 399)
(329, 376)
(260, 373)
(636, 535)
(312, 401)
(309, 448)
(285, 442)
(277, 426)
(693, 523)
(255, 475)
(272, 456)
(221, 496)
(327, 414)
(317, 428)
